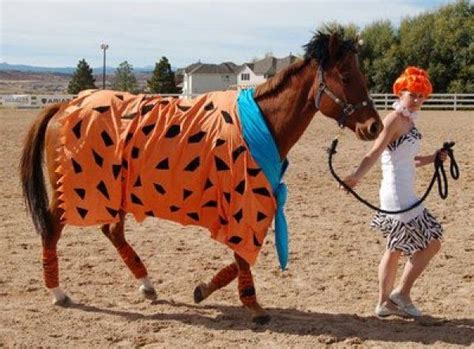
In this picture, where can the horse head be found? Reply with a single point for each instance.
(340, 88)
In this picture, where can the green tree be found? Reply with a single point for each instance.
(162, 80)
(379, 55)
(442, 42)
(124, 78)
(82, 78)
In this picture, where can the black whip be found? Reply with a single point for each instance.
(439, 175)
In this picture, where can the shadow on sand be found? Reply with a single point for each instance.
(340, 327)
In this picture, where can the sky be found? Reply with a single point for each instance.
(60, 33)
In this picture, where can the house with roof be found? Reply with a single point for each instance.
(201, 77)
(252, 74)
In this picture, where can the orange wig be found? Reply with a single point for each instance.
(415, 80)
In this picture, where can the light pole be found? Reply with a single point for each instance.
(104, 47)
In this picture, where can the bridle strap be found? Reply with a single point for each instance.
(347, 108)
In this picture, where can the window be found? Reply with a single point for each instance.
(245, 76)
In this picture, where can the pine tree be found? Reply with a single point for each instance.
(162, 80)
(124, 78)
(82, 78)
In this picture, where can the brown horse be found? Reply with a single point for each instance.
(327, 79)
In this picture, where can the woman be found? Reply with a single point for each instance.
(415, 233)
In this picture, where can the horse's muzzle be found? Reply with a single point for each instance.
(369, 130)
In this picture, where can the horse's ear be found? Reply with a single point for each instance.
(334, 48)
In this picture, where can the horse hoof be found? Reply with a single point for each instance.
(148, 293)
(63, 302)
(198, 295)
(261, 319)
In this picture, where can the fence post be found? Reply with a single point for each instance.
(455, 102)
(386, 101)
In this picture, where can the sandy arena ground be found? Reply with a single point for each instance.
(326, 297)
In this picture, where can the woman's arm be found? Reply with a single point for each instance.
(392, 126)
(421, 160)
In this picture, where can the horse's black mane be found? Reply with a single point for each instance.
(318, 47)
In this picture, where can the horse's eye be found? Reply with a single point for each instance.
(345, 80)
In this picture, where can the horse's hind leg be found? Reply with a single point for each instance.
(224, 277)
(50, 257)
(115, 233)
(247, 293)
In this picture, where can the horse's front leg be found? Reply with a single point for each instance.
(247, 293)
(116, 234)
(224, 277)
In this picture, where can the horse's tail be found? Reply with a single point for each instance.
(31, 172)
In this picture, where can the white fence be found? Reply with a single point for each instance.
(437, 101)
(384, 101)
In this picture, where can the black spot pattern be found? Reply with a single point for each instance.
(254, 171)
(193, 215)
(135, 152)
(260, 216)
(106, 138)
(196, 138)
(112, 212)
(186, 193)
(75, 165)
(173, 131)
(146, 109)
(236, 153)
(210, 203)
(99, 160)
(77, 129)
(159, 188)
(227, 117)
(183, 107)
(193, 165)
(208, 184)
(82, 212)
(103, 189)
(147, 129)
(220, 164)
(102, 109)
(209, 106)
(240, 188)
(174, 208)
(219, 142)
(163, 165)
(238, 215)
(130, 116)
(138, 182)
(116, 170)
(256, 242)
(235, 239)
(81, 192)
(261, 191)
(136, 200)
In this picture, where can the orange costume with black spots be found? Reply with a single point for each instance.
(185, 161)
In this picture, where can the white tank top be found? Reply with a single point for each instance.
(398, 171)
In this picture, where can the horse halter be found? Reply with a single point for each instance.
(347, 108)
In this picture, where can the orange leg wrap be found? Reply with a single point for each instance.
(246, 288)
(225, 275)
(132, 261)
(50, 268)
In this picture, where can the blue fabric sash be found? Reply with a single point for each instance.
(265, 152)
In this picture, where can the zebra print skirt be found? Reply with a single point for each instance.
(411, 236)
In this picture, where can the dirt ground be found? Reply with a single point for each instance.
(325, 298)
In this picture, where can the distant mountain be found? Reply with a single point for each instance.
(65, 70)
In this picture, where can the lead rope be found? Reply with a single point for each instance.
(439, 175)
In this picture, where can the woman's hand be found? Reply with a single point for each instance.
(443, 154)
(351, 181)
